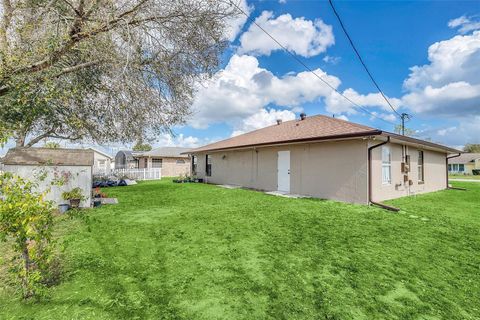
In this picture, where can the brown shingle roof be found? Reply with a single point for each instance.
(311, 128)
(46, 156)
(314, 128)
(465, 158)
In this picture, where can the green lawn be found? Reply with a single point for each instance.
(195, 251)
(462, 176)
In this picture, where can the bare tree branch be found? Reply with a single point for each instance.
(77, 67)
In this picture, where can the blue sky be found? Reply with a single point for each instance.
(393, 37)
(424, 54)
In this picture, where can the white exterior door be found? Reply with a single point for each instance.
(283, 171)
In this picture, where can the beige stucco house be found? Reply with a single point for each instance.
(102, 161)
(464, 164)
(173, 161)
(326, 158)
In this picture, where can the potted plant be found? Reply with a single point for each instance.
(74, 196)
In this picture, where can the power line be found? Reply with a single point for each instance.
(360, 58)
(306, 66)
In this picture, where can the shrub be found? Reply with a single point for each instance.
(75, 193)
(27, 219)
(476, 172)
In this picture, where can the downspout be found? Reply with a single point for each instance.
(446, 165)
(370, 201)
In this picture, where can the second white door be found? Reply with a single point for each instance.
(283, 167)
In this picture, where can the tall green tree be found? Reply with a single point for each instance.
(140, 146)
(408, 132)
(104, 70)
(472, 147)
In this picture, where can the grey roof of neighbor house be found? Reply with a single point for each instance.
(313, 128)
(464, 158)
(167, 152)
(48, 156)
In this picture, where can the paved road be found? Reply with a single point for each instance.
(464, 180)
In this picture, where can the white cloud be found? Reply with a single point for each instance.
(304, 37)
(343, 117)
(243, 89)
(168, 140)
(465, 24)
(467, 131)
(385, 116)
(331, 59)
(335, 103)
(443, 132)
(450, 84)
(235, 24)
(262, 119)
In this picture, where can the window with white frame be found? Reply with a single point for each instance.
(420, 166)
(455, 167)
(180, 161)
(156, 163)
(386, 165)
(102, 163)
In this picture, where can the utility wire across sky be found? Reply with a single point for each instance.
(307, 67)
(360, 58)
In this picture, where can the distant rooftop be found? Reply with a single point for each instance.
(167, 152)
(464, 158)
(48, 156)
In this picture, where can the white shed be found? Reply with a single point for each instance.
(71, 166)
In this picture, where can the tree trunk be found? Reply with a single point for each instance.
(27, 290)
(20, 140)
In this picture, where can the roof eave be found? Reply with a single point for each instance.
(292, 141)
(420, 142)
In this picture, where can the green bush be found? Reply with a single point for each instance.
(27, 219)
(476, 172)
(75, 193)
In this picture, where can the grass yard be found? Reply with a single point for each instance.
(194, 251)
(463, 176)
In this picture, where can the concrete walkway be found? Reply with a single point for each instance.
(464, 180)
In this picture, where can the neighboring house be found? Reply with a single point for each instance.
(102, 162)
(326, 158)
(170, 159)
(125, 160)
(464, 164)
(72, 166)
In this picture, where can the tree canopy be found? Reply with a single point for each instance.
(472, 147)
(140, 146)
(104, 70)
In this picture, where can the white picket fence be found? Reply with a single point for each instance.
(136, 174)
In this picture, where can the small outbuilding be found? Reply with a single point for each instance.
(71, 168)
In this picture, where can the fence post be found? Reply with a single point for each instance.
(144, 173)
